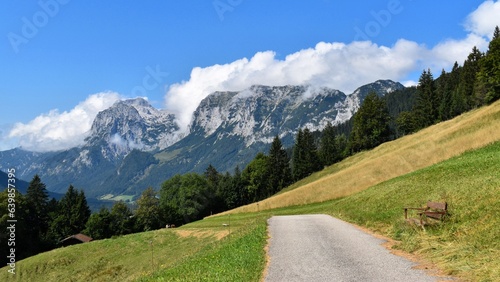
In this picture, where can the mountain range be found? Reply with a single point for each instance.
(133, 145)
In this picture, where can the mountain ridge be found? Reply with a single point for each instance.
(133, 145)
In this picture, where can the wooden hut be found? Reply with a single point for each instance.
(75, 239)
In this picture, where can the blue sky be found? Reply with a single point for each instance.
(64, 60)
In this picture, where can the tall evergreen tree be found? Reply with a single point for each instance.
(426, 104)
(406, 123)
(278, 167)
(488, 78)
(305, 158)
(298, 156)
(458, 103)
(341, 144)
(73, 213)
(371, 124)
(226, 192)
(213, 191)
(467, 80)
(444, 93)
(212, 175)
(37, 217)
(328, 150)
(238, 186)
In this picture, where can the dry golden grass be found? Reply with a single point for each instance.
(201, 233)
(437, 143)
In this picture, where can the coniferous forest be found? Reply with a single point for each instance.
(44, 222)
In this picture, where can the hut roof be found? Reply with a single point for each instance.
(80, 237)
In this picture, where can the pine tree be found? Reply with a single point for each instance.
(213, 191)
(278, 168)
(488, 77)
(305, 158)
(341, 143)
(298, 156)
(329, 152)
(312, 159)
(426, 104)
(238, 187)
(371, 124)
(212, 176)
(468, 78)
(37, 217)
(444, 93)
(406, 123)
(458, 103)
(227, 192)
(73, 213)
(37, 202)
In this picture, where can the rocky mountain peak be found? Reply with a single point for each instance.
(132, 124)
(260, 112)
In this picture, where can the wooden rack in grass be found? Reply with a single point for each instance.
(434, 210)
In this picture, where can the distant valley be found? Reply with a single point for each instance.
(133, 145)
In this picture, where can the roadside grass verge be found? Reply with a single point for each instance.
(125, 258)
(206, 250)
(239, 257)
(467, 243)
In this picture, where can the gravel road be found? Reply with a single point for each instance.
(322, 248)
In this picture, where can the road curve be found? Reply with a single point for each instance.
(323, 248)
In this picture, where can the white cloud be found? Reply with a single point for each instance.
(123, 144)
(484, 19)
(58, 131)
(409, 83)
(337, 65)
(447, 52)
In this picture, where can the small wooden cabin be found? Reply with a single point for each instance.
(75, 239)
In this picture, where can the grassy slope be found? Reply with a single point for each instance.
(429, 146)
(466, 245)
(202, 251)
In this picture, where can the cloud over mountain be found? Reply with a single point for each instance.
(337, 65)
(58, 131)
